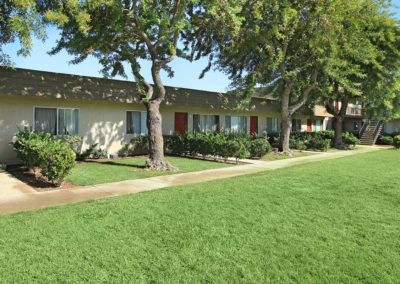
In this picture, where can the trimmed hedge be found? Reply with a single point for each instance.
(224, 145)
(53, 157)
(396, 142)
(137, 146)
(384, 140)
(320, 141)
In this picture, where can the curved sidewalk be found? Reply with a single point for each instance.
(16, 196)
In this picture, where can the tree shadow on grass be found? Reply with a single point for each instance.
(112, 163)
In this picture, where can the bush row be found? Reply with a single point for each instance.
(386, 138)
(221, 144)
(320, 141)
(137, 146)
(53, 157)
(396, 142)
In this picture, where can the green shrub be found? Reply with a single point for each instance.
(319, 144)
(220, 144)
(350, 139)
(56, 161)
(297, 144)
(99, 153)
(53, 157)
(236, 149)
(87, 153)
(28, 146)
(385, 140)
(93, 152)
(396, 142)
(74, 141)
(326, 134)
(137, 146)
(124, 151)
(259, 147)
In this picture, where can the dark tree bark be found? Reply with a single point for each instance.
(338, 128)
(339, 115)
(156, 160)
(288, 110)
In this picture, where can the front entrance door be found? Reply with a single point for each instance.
(181, 122)
(254, 125)
(309, 125)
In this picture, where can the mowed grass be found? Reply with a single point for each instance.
(335, 221)
(97, 172)
(273, 156)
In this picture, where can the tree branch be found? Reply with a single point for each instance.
(306, 93)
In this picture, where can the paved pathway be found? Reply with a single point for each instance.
(16, 196)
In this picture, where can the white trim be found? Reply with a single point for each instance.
(57, 117)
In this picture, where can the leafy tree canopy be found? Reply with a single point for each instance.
(20, 20)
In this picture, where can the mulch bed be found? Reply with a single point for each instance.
(36, 181)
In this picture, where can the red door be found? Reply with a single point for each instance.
(254, 125)
(309, 125)
(181, 122)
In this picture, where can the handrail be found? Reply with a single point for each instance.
(378, 130)
(363, 128)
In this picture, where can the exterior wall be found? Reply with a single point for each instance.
(99, 122)
(104, 122)
(392, 126)
(103, 104)
(350, 123)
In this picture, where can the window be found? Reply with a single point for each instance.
(205, 123)
(136, 122)
(68, 121)
(57, 121)
(329, 126)
(317, 125)
(236, 123)
(296, 125)
(272, 124)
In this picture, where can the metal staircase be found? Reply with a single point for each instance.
(370, 132)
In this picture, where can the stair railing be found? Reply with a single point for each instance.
(378, 130)
(363, 128)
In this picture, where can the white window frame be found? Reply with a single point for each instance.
(126, 123)
(57, 118)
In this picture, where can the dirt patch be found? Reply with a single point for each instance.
(36, 181)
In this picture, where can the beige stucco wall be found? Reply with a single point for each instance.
(99, 122)
(102, 122)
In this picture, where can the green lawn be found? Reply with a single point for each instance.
(96, 172)
(336, 221)
(272, 156)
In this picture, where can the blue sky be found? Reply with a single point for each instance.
(186, 73)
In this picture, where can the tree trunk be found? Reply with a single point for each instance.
(156, 160)
(285, 132)
(338, 126)
(286, 126)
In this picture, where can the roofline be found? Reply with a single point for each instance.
(103, 78)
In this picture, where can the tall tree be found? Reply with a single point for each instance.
(366, 67)
(118, 32)
(19, 20)
(282, 46)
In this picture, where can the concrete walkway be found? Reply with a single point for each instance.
(15, 196)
